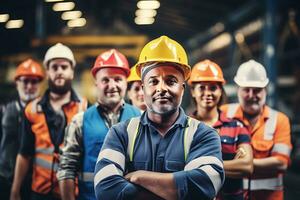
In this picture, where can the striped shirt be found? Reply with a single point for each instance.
(232, 133)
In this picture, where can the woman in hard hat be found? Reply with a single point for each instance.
(134, 90)
(206, 84)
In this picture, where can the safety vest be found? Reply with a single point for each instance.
(46, 159)
(94, 132)
(266, 145)
(133, 131)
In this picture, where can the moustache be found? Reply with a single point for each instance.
(163, 96)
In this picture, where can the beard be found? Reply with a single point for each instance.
(60, 89)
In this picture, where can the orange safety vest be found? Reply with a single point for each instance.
(269, 137)
(45, 162)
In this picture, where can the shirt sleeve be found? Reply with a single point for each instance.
(242, 133)
(70, 155)
(203, 175)
(27, 147)
(109, 182)
(282, 139)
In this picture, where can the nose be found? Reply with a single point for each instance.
(112, 83)
(250, 93)
(161, 86)
(140, 92)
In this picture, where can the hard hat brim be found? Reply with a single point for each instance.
(255, 84)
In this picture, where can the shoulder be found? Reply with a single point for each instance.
(281, 117)
(134, 110)
(205, 132)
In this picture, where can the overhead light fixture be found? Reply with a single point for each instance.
(63, 6)
(77, 22)
(148, 4)
(12, 24)
(217, 43)
(145, 13)
(51, 1)
(239, 37)
(69, 15)
(251, 28)
(144, 20)
(4, 18)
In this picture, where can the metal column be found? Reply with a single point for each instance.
(269, 49)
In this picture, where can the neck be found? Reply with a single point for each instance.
(58, 100)
(252, 118)
(112, 107)
(208, 116)
(163, 122)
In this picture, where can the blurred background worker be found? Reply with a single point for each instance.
(206, 83)
(28, 77)
(44, 124)
(269, 128)
(85, 135)
(135, 91)
(164, 154)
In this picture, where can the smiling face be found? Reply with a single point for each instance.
(163, 89)
(136, 95)
(111, 86)
(252, 100)
(207, 94)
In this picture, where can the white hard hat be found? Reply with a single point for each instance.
(251, 74)
(59, 51)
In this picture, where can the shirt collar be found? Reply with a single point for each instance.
(45, 98)
(222, 119)
(181, 119)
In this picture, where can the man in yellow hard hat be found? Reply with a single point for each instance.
(164, 153)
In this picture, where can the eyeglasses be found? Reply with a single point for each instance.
(211, 88)
(26, 81)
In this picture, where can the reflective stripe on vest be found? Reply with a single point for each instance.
(270, 125)
(133, 128)
(281, 148)
(45, 164)
(189, 133)
(264, 184)
(48, 151)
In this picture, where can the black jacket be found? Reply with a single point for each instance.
(11, 136)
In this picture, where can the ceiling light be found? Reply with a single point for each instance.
(50, 1)
(217, 43)
(63, 6)
(145, 13)
(144, 20)
(76, 22)
(69, 15)
(11, 24)
(148, 4)
(4, 18)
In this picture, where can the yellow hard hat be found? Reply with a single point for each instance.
(164, 49)
(133, 75)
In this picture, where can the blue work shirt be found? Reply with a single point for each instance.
(200, 175)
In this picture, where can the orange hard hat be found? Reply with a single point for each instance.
(29, 67)
(111, 59)
(206, 71)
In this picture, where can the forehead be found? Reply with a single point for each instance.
(59, 61)
(164, 71)
(110, 72)
(206, 83)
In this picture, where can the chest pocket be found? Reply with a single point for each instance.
(174, 166)
(262, 148)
